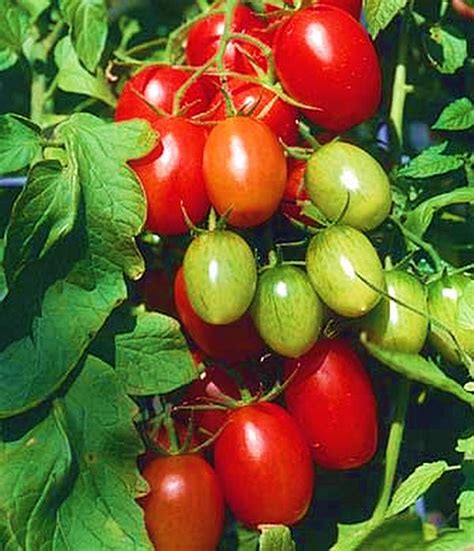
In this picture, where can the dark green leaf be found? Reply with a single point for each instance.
(349, 536)
(3, 279)
(403, 533)
(154, 358)
(431, 163)
(419, 219)
(447, 50)
(70, 480)
(417, 368)
(87, 20)
(379, 13)
(8, 58)
(72, 77)
(415, 486)
(43, 214)
(247, 540)
(458, 115)
(276, 538)
(20, 142)
(14, 25)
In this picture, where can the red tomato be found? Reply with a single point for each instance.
(185, 506)
(172, 175)
(235, 342)
(354, 7)
(296, 191)
(325, 59)
(244, 168)
(332, 399)
(264, 466)
(205, 35)
(159, 84)
(463, 8)
(251, 99)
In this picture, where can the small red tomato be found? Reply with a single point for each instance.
(463, 8)
(324, 58)
(158, 84)
(185, 506)
(264, 466)
(172, 176)
(205, 35)
(245, 170)
(332, 399)
(259, 103)
(354, 7)
(295, 192)
(235, 342)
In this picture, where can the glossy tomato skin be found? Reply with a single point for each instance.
(171, 176)
(324, 58)
(296, 193)
(234, 342)
(264, 466)
(244, 169)
(185, 506)
(252, 99)
(159, 84)
(332, 399)
(463, 9)
(205, 35)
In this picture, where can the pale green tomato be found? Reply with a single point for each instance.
(339, 172)
(334, 259)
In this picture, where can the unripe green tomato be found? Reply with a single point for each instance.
(334, 258)
(339, 171)
(394, 326)
(220, 276)
(444, 300)
(286, 310)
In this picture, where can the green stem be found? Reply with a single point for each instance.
(171, 431)
(203, 5)
(229, 16)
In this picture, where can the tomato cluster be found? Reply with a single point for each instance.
(226, 135)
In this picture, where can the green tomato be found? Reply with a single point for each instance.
(393, 326)
(451, 302)
(286, 310)
(220, 276)
(339, 171)
(334, 259)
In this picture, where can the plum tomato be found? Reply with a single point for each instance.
(286, 310)
(244, 170)
(448, 298)
(235, 342)
(220, 275)
(296, 193)
(332, 399)
(205, 35)
(172, 176)
(264, 466)
(260, 103)
(325, 59)
(341, 175)
(335, 259)
(158, 84)
(394, 326)
(185, 506)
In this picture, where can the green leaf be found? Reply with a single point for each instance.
(14, 26)
(276, 538)
(402, 533)
(419, 369)
(154, 358)
(128, 29)
(350, 536)
(3, 279)
(87, 20)
(34, 7)
(247, 540)
(72, 77)
(431, 163)
(458, 115)
(8, 58)
(419, 219)
(451, 540)
(59, 302)
(69, 479)
(415, 486)
(379, 13)
(20, 142)
(466, 447)
(466, 307)
(446, 51)
(43, 214)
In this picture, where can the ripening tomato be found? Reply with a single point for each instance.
(465, 8)
(235, 342)
(260, 103)
(205, 35)
(185, 506)
(264, 466)
(295, 193)
(324, 58)
(332, 399)
(172, 176)
(245, 170)
(157, 85)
